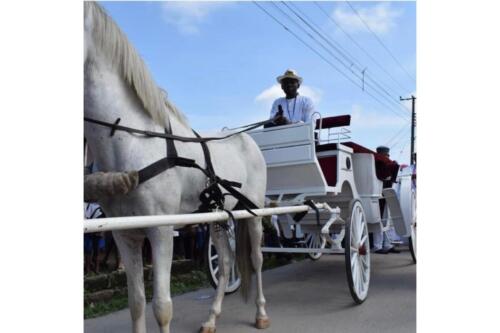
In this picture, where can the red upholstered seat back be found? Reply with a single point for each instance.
(337, 121)
(329, 167)
(358, 148)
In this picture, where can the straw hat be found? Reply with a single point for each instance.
(289, 74)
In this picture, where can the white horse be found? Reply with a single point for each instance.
(118, 85)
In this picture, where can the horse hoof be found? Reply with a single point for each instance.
(262, 323)
(207, 330)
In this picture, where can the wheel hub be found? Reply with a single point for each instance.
(362, 250)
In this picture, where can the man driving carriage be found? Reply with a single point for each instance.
(293, 107)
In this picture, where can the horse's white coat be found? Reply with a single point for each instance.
(118, 85)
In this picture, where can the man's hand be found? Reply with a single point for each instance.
(281, 121)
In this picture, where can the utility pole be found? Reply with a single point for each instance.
(413, 120)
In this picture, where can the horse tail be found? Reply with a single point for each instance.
(243, 259)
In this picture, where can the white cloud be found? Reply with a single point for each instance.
(187, 16)
(270, 94)
(380, 18)
(363, 119)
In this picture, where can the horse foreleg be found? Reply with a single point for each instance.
(161, 240)
(255, 231)
(130, 247)
(221, 242)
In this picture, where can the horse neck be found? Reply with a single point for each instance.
(108, 97)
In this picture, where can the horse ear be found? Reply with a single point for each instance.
(87, 16)
(91, 13)
(87, 26)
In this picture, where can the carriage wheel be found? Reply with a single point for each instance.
(315, 241)
(212, 261)
(412, 240)
(357, 253)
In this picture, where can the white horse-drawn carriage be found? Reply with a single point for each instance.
(155, 172)
(314, 162)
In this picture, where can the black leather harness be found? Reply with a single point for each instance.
(211, 197)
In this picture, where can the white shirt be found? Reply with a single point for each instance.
(295, 109)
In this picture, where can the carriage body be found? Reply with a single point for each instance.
(303, 163)
(315, 161)
(301, 166)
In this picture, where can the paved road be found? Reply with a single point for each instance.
(302, 297)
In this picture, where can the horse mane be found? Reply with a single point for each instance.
(109, 38)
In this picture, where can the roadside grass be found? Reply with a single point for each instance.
(180, 284)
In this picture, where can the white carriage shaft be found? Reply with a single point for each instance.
(179, 220)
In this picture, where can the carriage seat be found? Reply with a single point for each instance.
(328, 164)
(385, 168)
(331, 122)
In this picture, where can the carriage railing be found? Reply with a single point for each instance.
(343, 134)
(333, 135)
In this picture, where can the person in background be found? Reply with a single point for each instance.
(381, 242)
(91, 240)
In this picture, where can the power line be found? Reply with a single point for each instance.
(403, 148)
(380, 41)
(303, 42)
(319, 54)
(327, 40)
(398, 133)
(360, 47)
(334, 56)
(350, 58)
(402, 137)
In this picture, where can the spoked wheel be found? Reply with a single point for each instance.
(413, 242)
(357, 252)
(413, 230)
(212, 261)
(315, 241)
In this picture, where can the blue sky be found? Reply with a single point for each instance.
(218, 61)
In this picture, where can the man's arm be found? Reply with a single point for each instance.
(308, 110)
(277, 110)
(274, 109)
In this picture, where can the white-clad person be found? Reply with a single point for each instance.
(296, 108)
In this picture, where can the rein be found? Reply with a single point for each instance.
(211, 197)
(115, 127)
